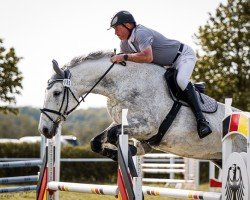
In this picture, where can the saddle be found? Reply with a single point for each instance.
(207, 104)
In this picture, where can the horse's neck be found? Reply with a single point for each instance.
(122, 82)
(86, 75)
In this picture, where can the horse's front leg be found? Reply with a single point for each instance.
(102, 145)
(136, 147)
(106, 142)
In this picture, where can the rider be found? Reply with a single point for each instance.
(143, 45)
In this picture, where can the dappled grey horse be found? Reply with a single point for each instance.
(142, 89)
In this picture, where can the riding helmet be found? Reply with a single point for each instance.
(122, 17)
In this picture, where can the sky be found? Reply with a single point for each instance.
(42, 30)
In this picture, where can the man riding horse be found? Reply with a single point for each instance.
(143, 45)
(155, 118)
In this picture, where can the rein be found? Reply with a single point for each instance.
(67, 83)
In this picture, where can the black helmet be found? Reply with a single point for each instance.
(121, 18)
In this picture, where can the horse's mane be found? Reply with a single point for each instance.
(91, 56)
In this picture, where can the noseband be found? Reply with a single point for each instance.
(62, 115)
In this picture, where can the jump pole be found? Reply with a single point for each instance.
(19, 179)
(15, 164)
(84, 188)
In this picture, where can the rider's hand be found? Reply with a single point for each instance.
(117, 58)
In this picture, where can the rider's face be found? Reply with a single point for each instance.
(121, 32)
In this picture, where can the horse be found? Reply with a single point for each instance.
(142, 89)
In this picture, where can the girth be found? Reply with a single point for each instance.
(165, 125)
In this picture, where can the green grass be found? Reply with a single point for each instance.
(68, 196)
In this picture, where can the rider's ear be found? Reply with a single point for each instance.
(57, 69)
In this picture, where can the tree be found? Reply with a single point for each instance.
(10, 78)
(223, 60)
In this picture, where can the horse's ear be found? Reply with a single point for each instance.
(57, 69)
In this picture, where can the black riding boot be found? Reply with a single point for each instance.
(203, 127)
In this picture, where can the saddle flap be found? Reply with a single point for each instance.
(207, 104)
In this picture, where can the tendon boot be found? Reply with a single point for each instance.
(203, 127)
(112, 153)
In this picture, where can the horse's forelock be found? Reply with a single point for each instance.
(51, 81)
(56, 76)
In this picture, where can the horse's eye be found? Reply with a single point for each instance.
(56, 93)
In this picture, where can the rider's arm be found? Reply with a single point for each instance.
(145, 56)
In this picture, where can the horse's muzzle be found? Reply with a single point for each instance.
(49, 133)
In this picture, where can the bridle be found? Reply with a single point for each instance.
(63, 114)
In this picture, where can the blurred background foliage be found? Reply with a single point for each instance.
(84, 124)
(223, 57)
(10, 78)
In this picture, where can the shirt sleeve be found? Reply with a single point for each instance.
(124, 47)
(144, 38)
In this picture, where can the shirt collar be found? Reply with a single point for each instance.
(132, 36)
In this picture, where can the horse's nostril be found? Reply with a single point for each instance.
(45, 130)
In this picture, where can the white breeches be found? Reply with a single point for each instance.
(185, 66)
